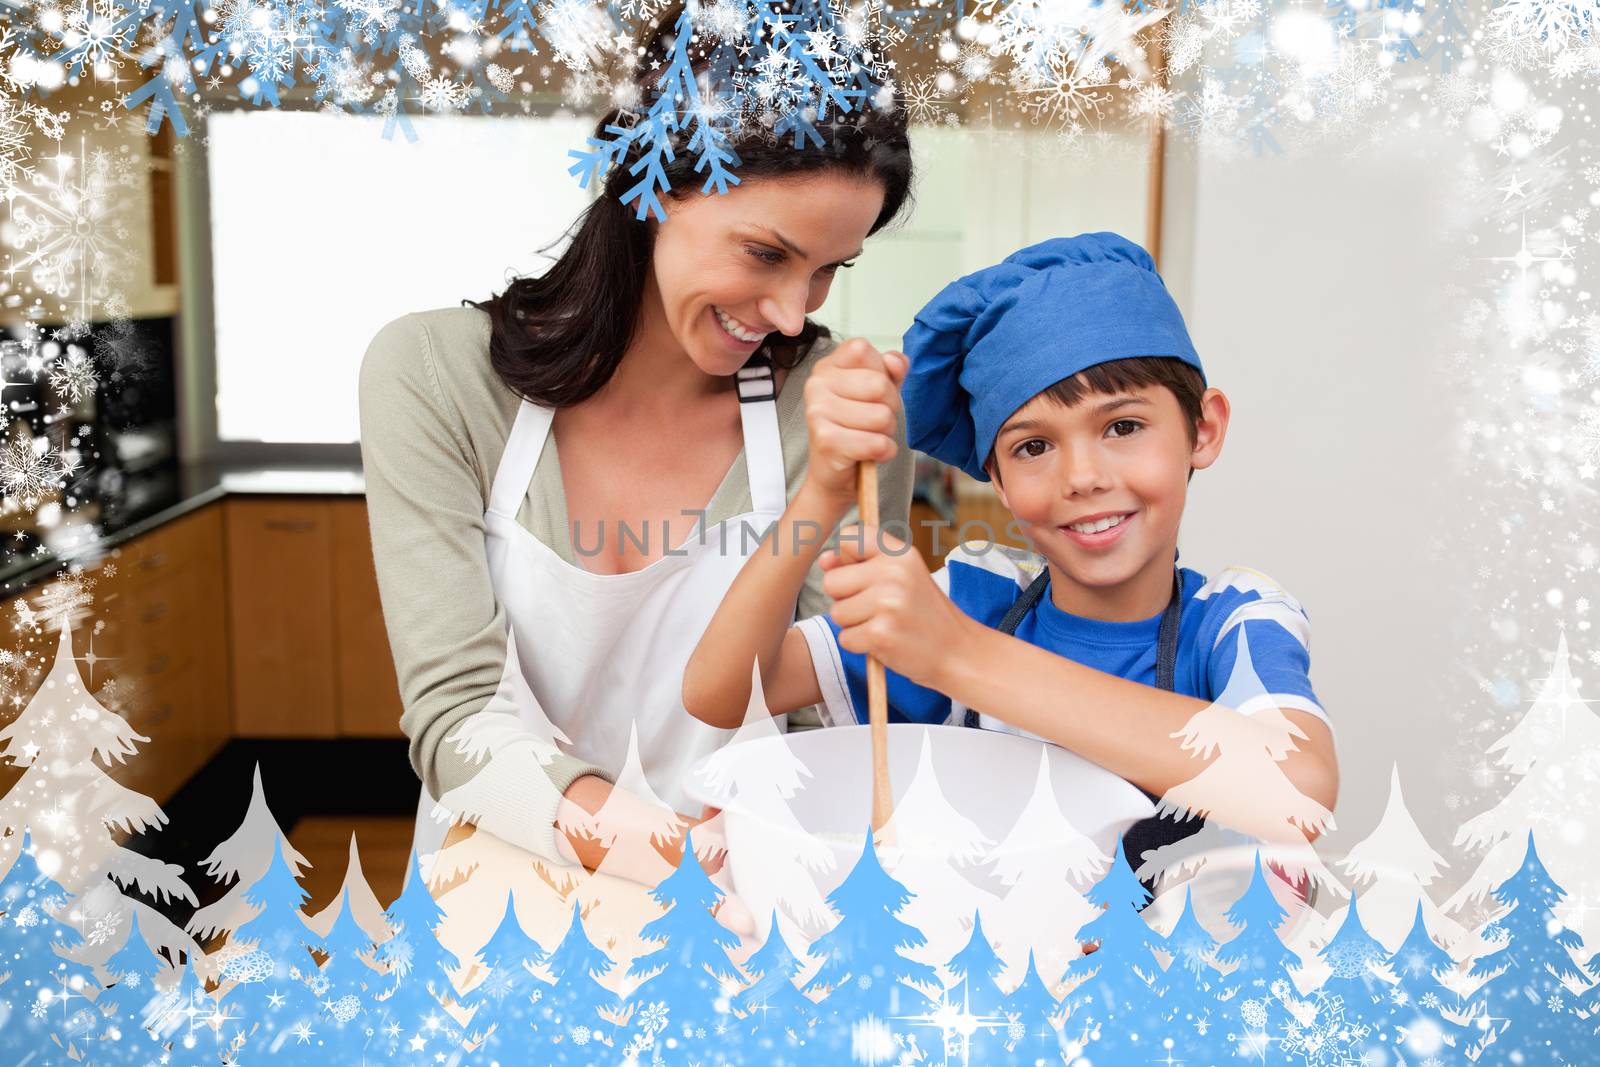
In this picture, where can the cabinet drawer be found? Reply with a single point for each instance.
(281, 617)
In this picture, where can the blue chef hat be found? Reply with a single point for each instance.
(992, 341)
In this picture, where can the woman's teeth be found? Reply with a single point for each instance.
(1096, 527)
(735, 327)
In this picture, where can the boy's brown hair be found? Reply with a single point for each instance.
(1124, 375)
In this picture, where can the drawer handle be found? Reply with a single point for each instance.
(154, 560)
(154, 613)
(291, 525)
(159, 664)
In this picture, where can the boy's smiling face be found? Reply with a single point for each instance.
(1126, 454)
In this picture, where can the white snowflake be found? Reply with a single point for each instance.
(580, 1035)
(29, 467)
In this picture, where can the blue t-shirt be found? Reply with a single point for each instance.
(984, 580)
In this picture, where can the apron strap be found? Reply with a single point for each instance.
(523, 447)
(763, 444)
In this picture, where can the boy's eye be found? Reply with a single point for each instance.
(1135, 425)
(1031, 448)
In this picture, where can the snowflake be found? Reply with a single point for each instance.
(73, 377)
(1153, 100)
(443, 94)
(864, 982)
(346, 1008)
(253, 966)
(923, 102)
(103, 927)
(1254, 1013)
(319, 984)
(16, 136)
(1430, 1000)
(1319, 1033)
(38, 1009)
(1015, 1031)
(580, 1035)
(131, 980)
(1555, 1003)
(27, 918)
(654, 1017)
(29, 467)
(578, 31)
(723, 21)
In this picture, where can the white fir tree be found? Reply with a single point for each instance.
(758, 773)
(1553, 753)
(356, 894)
(1244, 737)
(927, 843)
(239, 862)
(75, 810)
(1392, 868)
(510, 783)
(1046, 864)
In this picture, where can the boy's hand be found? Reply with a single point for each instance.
(852, 413)
(887, 606)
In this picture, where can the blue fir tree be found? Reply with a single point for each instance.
(274, 998)
(1120, 1001)
(976, 995)
(689, 972)
(410, 1012)
(1193, 984)
(1524, 1001)
(344, 987)
(777, 1016)
(1033, 1034)
(1416, 1003)
(503, 1003)
(569, 1015)
(1259, 964)
(138, 974)
(870, 981)
(1352, 954)
(414, 952)
(42, 985)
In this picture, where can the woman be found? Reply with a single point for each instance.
(584, 462)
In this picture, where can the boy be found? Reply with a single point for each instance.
(1066, 376)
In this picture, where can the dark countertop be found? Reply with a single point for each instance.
(130, 506)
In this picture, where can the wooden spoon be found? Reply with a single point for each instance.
(877, 690)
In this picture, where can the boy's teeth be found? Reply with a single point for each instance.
(734, 327)
(1096, 527)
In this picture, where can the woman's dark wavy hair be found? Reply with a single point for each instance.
(557, 338)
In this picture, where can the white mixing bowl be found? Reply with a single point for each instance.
(796, 808)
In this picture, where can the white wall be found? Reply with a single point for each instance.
(1312, 284)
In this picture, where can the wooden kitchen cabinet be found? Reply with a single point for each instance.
(369, 692)
(157, 630)
(251, 617)
(281, 617)
(163, 602)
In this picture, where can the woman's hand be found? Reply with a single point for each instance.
(888, 607)
(852, 413)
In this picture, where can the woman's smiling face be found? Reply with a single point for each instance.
(728, 269)
(1124, 457)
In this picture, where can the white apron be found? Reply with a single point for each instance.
(605, 653)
